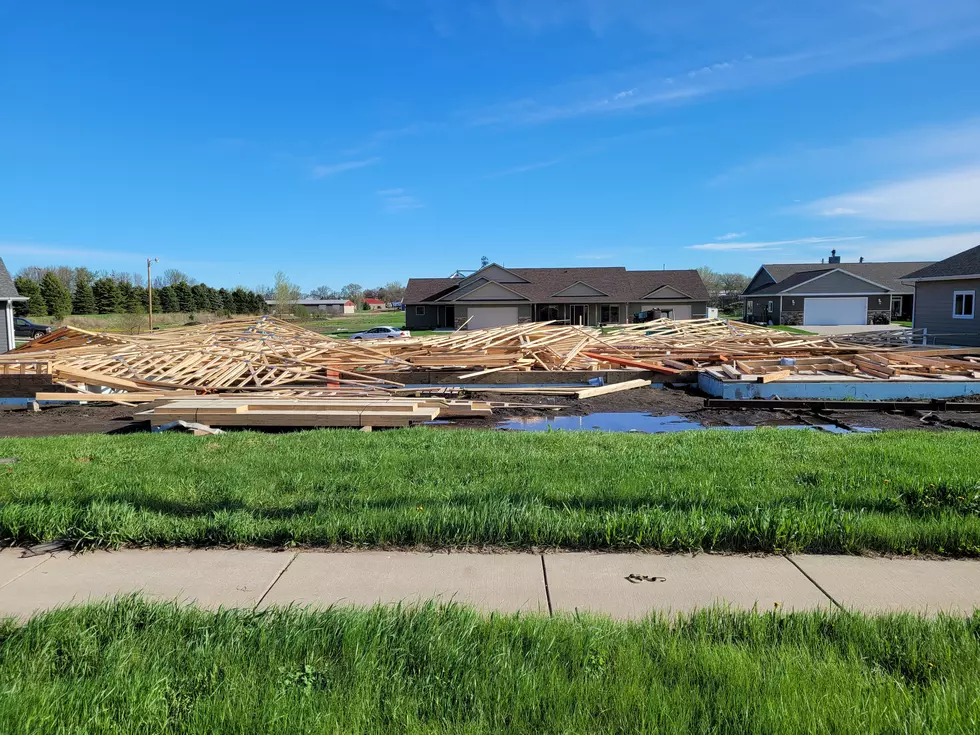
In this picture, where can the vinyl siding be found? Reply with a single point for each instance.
(837, 283)
(934, 311)
(6, 338)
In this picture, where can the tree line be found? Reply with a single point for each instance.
(723, 288)
(58, 291)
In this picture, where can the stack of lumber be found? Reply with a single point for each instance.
(277, 411)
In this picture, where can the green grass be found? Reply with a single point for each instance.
(901, 324)
(356, 322)
(765, 490)
(133, 667)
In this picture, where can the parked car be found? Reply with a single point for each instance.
(382, 333)
(26, 328)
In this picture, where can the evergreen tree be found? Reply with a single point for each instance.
(226, 303)
(239, 301)
(135, 302)
(56, 296)
(185, 297)
(107, 296)
(167, 300)
(35, 305)
(202, 297)
(83, 302)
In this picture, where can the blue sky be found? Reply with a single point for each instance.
(381, 139)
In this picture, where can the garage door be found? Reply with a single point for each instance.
(835, 311)
(485, 317)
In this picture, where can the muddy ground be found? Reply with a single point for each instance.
(684, 403)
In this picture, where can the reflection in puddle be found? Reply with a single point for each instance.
(642, 423)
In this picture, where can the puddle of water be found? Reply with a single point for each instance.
(617, 422)
(641, 423)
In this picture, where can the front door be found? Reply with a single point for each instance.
(580, 314)
(450, 317)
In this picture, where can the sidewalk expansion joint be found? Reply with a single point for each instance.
(813, 581)
(26, 571)
(276, 580)
(547, 591)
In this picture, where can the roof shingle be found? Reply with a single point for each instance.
(966, 263)
(7, 288)
(788, 275)
(543, 283)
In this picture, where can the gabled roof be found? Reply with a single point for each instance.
(966, 264)
(790, 275)
(7, 288)
(541, 285)
(373, 301)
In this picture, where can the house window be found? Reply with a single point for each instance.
(548, 313)
(609, 314)
(963, 304)
(770, 307)
(750, 306)
(896, 305)
(419, 311)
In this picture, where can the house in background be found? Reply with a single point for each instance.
(830, 294)
(8, 295)
(946, 298)
(375, 304)
(495, 296)
(321, 306)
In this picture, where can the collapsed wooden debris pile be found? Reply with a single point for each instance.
(284, 372)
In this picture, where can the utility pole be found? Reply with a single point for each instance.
(149, 287)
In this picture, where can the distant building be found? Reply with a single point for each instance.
(830, 294)
(321, 306)
(375, 304)
(495, 296)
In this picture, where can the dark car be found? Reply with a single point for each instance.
(26, 328)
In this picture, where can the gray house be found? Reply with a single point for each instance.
(831, 293)
(8, 295)
(946, 298)
(496, 296)
(321, 306)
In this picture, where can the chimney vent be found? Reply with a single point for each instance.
(834, 257)
(861, 259)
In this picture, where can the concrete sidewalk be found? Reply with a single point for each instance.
(549, 583)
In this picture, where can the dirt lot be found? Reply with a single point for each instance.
(106, 419)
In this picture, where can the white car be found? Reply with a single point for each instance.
(382, 333)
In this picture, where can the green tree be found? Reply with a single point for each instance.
(34, 306)
(185, 297)
(136, 300)
(226, 301)
(83, 302)
(108, 300)
(56, 296)
(241, 301)
(166, 300)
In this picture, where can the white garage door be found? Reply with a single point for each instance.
(835, 311)
(681, 312)
(485, 317)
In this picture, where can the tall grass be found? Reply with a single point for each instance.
(134, 667)
(766, 490)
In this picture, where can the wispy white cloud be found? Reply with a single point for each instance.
(322, 171)
(942, 198)
(398, 200)
(731, 236)
(594, 256)
(525, 168)
(770, 245)
(935, 247)
(928, 146)
(861, 35)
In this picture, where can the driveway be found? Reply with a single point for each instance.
(852, 329)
